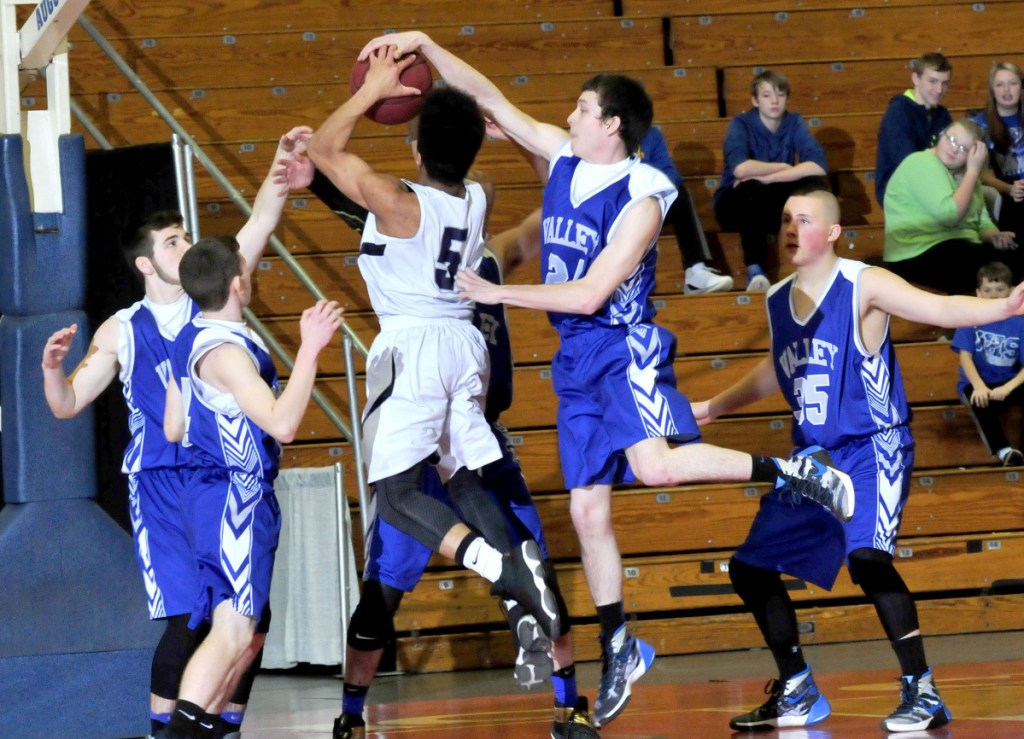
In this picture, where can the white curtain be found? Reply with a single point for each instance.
(305, 602)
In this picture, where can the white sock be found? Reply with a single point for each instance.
(698, 266)
(483, 559)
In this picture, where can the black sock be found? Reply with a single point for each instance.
(185, 719)
(910, 653)
(208, 726)
(789, 658)
(611, 616)
(764, 469)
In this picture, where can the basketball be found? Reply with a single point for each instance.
(400, 109)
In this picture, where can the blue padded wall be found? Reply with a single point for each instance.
(75, 639)
(42, 255)
(44, 458)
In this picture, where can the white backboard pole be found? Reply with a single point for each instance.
(39, 47)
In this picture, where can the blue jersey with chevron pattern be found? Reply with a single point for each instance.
(839, 391)
(217, 433)
(583, 206)
(147, 332)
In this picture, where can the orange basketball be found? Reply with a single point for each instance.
(400, 109)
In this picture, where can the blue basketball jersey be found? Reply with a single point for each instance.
(493, 324)
(583, 206)
(217, 433)
(839, 391)
(147, 331)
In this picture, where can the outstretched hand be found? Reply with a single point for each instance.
(295, 170)
(702, 412)
(402, 42)
(1015, 301)
(474, 287)
(319, 323)
(384, 77)
(58, 346)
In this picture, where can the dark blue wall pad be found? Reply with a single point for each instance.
(42, 255)
(93, 695)
(45, 458)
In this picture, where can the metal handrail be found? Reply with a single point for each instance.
(352, 339)
(236, 196)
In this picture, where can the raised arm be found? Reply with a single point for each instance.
(67, 397)
(538, 137)
(881, 290)
(229, 368)
(270, 199)
(381, 194)
(639, 227)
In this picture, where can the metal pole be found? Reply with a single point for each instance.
(89, 126)
(180, 185)
(190, 191)
(236, 196)
(357, 437)
(344, 536)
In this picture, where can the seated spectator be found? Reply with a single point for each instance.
(992, 365)
(913, 120)
(938, 232)
(693, 246)
(1002, 121)
(769, 153)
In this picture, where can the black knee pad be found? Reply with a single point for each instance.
(551, 578)
(171, 655)
(876, 574)
(373, 624)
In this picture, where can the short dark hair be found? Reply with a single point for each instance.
(931, 60)
(451, 130)
(623, 97)
(207, 269)
(995, 272)
(138, 242)
(775, 79)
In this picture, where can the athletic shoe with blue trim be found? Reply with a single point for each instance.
(621, 667)
(798, 703)
(920, 706)
(813, 475)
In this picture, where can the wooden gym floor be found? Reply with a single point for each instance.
(981, 678)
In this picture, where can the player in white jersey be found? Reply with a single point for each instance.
(133, 345)
(427, 368)
(619, 408)
(834, 361)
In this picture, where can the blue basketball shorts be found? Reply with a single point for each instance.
(616, 387)
(161, 542)
(806, 541)
(399, 561)
(234, 521)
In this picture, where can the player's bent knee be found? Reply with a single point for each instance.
(372, 625)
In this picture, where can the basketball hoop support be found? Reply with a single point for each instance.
(40, 45)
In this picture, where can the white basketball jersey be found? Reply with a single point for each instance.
(416, 276)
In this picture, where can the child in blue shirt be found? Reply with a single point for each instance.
(992, 365)
(769, 154)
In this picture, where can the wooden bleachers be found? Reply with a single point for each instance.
(289, 57)
(826, 35)
(665, 8)
(259, 16)
(248, 71)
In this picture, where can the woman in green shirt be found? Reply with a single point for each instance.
(937, 229)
